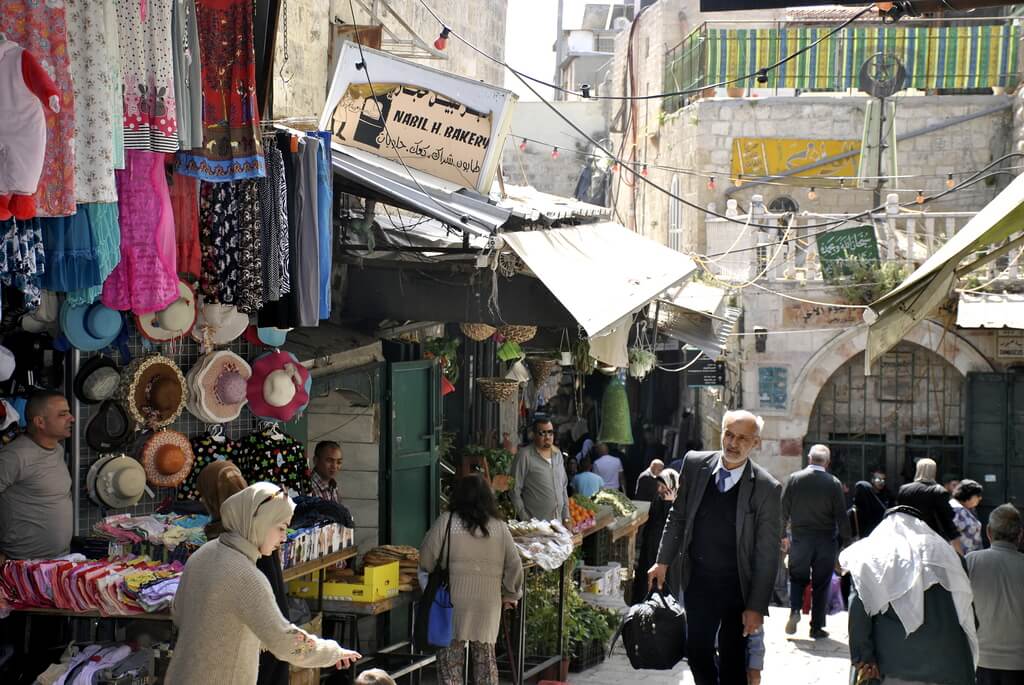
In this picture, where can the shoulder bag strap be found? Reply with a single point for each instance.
(446, 545)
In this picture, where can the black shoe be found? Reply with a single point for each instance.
(818, 633)
(794, 618)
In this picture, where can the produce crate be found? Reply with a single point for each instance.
(601, 580)
(378, 582)
(597, 548)
(589, 654)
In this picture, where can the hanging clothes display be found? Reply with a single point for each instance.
(307, 247)
(232, 148)
(325, 223)
(146, 278)
(72, 260)
(105, 238)
(188, 83)
(40, 28)
(230, 237)
(147, 67)
(283, 313)
(185, 206)
(274, 224)
(21, 258)
(93, 47)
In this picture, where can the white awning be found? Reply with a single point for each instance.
(990, 310)
(696, 314)
(599, 272)
(891, 317)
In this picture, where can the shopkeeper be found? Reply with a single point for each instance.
(540, 483)
(326, 467)
(36, 511)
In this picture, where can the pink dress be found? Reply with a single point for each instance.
(146, 279)
(40, 28)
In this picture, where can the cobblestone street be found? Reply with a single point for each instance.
(789, 660)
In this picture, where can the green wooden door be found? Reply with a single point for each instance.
(994, 454)
(412, 470)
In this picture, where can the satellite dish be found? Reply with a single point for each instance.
(882, 75)
(620, 23)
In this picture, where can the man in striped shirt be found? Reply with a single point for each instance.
(326, 467)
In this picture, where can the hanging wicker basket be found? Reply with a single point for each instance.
(518, 334)
(541, 368)
(477, 331)
(497, 389)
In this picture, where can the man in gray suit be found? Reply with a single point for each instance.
(725, 525)
(814, 507)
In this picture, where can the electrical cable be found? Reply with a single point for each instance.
(586, 95)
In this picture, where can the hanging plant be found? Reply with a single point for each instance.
(445, 350)
(510, 351)
(581, 359)
(641, 362)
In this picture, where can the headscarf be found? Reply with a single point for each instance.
(250, 514)
(217, 482)
(898, 562)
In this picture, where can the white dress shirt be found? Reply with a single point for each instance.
(734, 474)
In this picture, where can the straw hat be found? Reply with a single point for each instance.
(217, 386)
(153, 391)
(279, 387)
(174, 321)
(167, 458)
(219, 324)
(116, 481)
(97, 380)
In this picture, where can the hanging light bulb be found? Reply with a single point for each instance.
(711, 183)
(554, 153)
(522, 145)
(643, 172)
(442, 39)
(615, 167)
(920, 197)
(950, 183)
(812, 194)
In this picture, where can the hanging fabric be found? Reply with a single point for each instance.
(188, 80)
(325, 224)
(21, 258)
(231, 244)
(184, 191)
(274, 224)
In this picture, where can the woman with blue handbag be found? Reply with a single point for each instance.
(475, 571)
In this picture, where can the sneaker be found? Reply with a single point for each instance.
(794, 618)
(818, 633)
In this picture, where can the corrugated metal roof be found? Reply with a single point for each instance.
(529, 205)
(990, 310)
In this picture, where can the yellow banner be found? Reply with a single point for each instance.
(756, 157)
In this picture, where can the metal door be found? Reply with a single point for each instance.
(412, 470)
(995, 436)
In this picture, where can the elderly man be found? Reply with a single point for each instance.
(540, 488)
(997, 579)
(647, 483)
(725, 525)
(36, 511)
(814, 508)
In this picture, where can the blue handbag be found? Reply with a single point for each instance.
(434, 615)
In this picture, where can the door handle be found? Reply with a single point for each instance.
(398, 439)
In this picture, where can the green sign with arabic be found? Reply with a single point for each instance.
(839, 250)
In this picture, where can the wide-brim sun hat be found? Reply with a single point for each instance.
(174, 321)
(218, 387)
(97, 380)
(219, 324)
(167, 458)
(279, 387)
(90, 327)
(116, 481)
(153, 391)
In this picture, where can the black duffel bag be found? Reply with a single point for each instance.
(654, 632)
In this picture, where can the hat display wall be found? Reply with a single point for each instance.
(218, 324)
(44, 317)
(110, 428)
(272, 337)
(153, 391)
(217, 386)
(172, 322)
(116, 481)
(90, 327)
(279, 387)
(97, 380)
(167, 458)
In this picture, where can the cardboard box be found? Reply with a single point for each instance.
(378, 582)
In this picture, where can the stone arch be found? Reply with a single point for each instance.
(819, 368)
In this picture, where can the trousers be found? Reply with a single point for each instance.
(714, 613)
(812, 558)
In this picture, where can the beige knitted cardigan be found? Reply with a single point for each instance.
(225, 611)
(484, 570)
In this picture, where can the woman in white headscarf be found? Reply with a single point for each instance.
(225, 608)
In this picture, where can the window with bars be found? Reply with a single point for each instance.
(675, 217)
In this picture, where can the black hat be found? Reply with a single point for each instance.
(97, 380)
(110, 429)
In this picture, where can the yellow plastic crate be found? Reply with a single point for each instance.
(379, 582)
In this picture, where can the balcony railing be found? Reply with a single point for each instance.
(740, 253)
(946, 56)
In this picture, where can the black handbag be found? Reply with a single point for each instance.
(435, 603)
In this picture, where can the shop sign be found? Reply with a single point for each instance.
(1010, 344)
(756, 157)
(434, 122)
(705, 371)
(807, 315)
(840, 249)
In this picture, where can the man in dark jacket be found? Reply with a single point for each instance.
(932, 500)
(725, 526)
(814, 508)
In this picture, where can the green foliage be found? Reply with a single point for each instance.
(445, 350)
(499, 461)
(868, 281)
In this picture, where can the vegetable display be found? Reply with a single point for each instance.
(583, 513)
(615, 499)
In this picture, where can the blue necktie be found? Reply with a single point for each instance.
(723, 479)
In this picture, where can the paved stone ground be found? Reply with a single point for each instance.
(789, 660)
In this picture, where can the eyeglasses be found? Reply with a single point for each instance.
(279, 491)
(545, 432)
